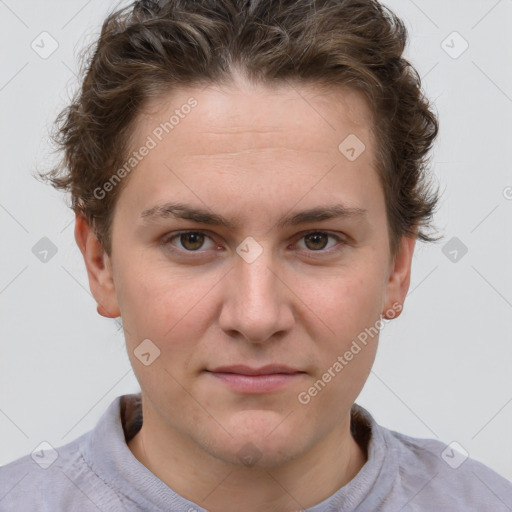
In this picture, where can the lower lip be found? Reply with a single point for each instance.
(256, 383)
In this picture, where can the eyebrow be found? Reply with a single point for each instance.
(202, 216)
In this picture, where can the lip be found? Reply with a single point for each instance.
(265, 379)
(269, 369)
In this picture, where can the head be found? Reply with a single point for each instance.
(249, 182)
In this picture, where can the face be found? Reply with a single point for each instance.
(257, 278)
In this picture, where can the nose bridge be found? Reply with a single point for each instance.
(256, 306)
(257, 283)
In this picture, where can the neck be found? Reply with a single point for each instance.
(219, 486)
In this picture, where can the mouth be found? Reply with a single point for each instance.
(266, 379)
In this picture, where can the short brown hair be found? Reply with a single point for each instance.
(148, 48)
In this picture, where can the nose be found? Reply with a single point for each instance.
(257, 301)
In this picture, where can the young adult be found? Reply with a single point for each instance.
(249, 183)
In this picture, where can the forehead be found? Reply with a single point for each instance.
(264, 145)
(304, 117)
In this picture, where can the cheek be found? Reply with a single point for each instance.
(348, 299)
(163, 304)
(352, 311)
(166, 308)
(345, 358)
(350, 305)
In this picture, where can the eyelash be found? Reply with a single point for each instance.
(167, 239)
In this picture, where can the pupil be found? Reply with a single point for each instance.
(196, 240)
(316, 238)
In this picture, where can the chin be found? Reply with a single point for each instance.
(256, 453)
(259, 439)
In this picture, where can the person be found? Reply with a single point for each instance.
(249, 180)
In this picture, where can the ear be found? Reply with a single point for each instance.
(399, 277)
(99, 269)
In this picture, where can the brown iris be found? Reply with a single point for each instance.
(317, 241)
(192, 241)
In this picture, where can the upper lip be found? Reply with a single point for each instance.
(263, 370)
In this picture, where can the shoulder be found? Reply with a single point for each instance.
(431, 473)
(52, 479)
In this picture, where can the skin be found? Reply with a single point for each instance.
(252, 154)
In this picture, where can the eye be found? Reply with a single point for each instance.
(194, 242)
(317, 241)
(190, 241)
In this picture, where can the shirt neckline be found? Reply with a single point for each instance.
(108, 455)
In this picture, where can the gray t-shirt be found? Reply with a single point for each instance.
(97, 471)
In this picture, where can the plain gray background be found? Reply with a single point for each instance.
(443, 369)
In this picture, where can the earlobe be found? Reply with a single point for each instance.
(399, 278)
(99, 269)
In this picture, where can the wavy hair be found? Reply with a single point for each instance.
(150, 47)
